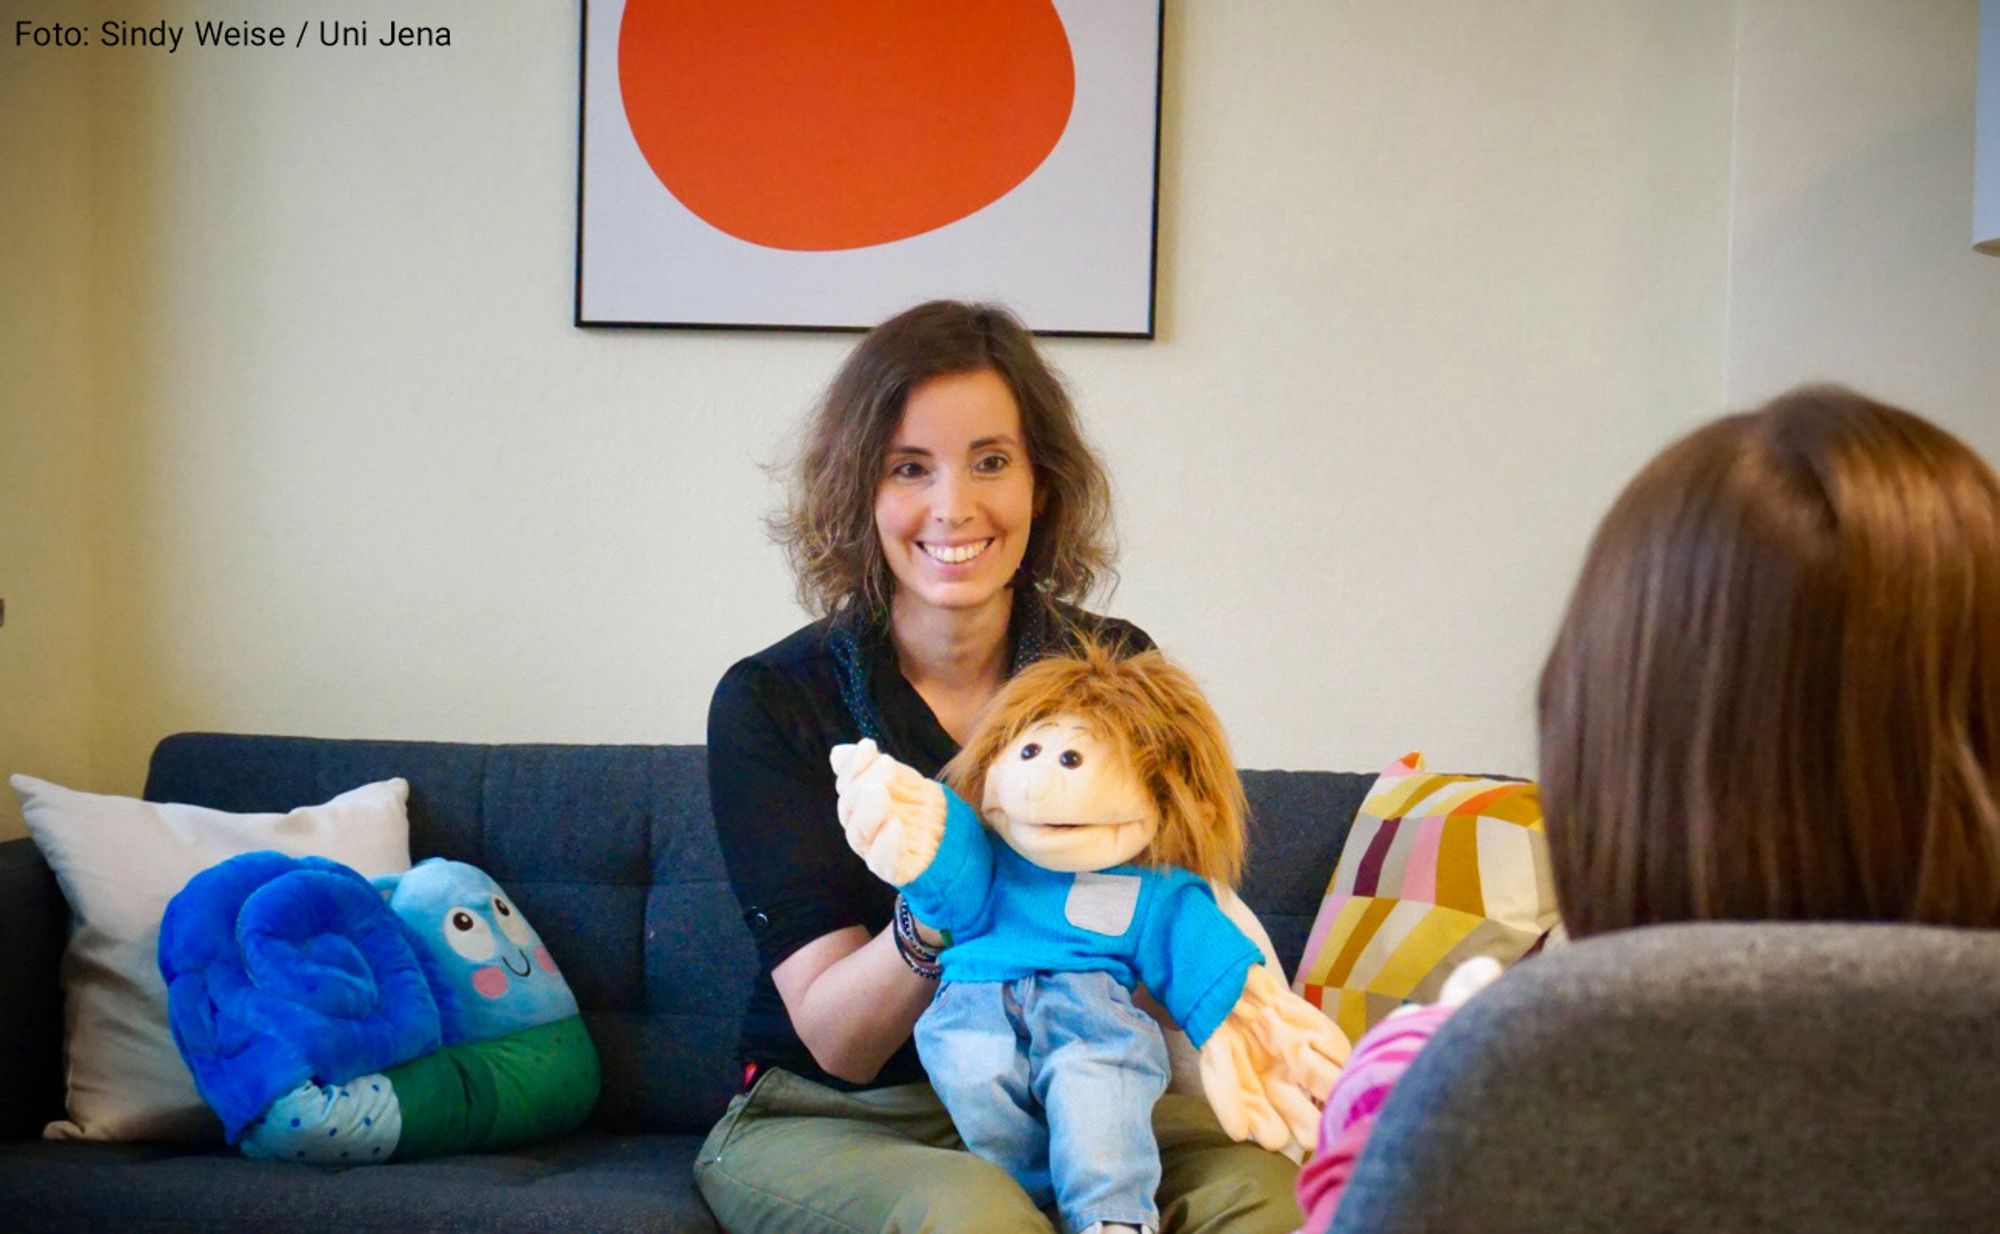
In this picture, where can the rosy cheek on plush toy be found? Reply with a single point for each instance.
(490, 981)
(543, 958)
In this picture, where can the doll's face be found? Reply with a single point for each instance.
(505, 977)
(1065, 799)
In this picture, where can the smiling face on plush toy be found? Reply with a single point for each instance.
(469, 931)
(505, 977)
(1065, 798)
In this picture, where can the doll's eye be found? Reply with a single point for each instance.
(1070, 758)
(1029, 751)
(512, 924)
(470, 937)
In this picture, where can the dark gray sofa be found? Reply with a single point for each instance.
(611, 851)
(1695, 1078)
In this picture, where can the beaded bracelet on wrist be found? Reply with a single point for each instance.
(921, 958)
(906, 928)
(929, 970)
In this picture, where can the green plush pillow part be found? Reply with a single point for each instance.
(526, 1086)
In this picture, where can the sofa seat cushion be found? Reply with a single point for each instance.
(586, 1182)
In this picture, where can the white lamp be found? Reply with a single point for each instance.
(1986, 140)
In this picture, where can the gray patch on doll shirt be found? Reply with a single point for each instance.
(1102, 903)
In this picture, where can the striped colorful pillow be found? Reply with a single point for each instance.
(1437, 869)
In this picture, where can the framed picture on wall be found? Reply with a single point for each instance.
(823, 164)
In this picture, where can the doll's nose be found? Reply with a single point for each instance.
(1040, 784)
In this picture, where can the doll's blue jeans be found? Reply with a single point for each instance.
(1053, 1078)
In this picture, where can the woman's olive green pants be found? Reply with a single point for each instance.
(795, 1157)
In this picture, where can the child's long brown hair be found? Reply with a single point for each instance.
(1155, 715)
(1776, 693)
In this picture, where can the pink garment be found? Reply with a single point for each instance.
(1378, 1062)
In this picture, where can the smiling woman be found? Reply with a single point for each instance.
(829, 526)
(945, 517)
(956, 501)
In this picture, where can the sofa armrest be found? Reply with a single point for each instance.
(34, 923)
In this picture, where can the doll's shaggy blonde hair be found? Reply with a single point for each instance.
(1153, 714)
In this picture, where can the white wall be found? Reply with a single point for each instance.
(1434, 280)
(45, 425)
(1437, 279)
(1852, 219)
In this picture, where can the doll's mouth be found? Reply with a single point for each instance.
(525, 969)
(1056, 824)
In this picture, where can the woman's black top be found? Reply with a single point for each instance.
(773, 720)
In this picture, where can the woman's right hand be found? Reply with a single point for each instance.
(893, 817)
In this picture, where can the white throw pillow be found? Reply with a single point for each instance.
(118, 862)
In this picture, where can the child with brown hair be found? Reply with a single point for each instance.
(1775, 696)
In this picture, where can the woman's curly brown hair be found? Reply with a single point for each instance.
(1154, 714)
(828, 524)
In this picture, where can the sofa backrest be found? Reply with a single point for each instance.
(611, 851)
(1825, 1079)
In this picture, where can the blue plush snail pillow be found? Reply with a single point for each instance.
(336, 1021)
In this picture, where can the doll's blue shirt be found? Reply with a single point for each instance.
(1009, 917)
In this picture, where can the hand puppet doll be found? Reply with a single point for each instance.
(1109, 799)
(333, 1021)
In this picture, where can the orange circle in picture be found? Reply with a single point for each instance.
(820, 125)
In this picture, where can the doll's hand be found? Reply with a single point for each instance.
(894, 817)
(1270, 1064)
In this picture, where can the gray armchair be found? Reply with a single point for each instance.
(1822, 1079)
